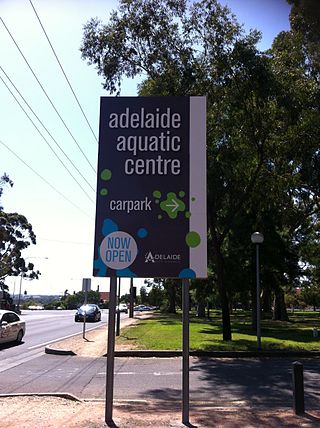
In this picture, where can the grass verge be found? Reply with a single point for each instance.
(164, 332)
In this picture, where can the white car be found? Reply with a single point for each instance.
(12, 327)
(122, 308)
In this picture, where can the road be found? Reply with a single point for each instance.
(261, 382)
(43, 327)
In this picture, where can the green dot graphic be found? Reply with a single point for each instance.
(187, 214)
(103, 192)
(157, 194)
(106, 175)
(181, 194)
(193, 239)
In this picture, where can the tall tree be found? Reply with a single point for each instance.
(200, 49)
(16, 234)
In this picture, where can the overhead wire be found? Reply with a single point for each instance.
(62, 69)
(49, 133)
(46, 94)
(59, 159)
(44, 180)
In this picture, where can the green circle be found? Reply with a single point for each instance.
(181, 194)
(193, 198)
(157, 194)
(106, 175)
(187, 214)
(193, 239)
(103, 192)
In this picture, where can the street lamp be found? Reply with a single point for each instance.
(257, 239)
(19, 297)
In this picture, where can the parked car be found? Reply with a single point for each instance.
(12, 327)
(91, 311)
(141, 308)
(123, 307)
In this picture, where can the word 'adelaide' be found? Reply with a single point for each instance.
(150, 120)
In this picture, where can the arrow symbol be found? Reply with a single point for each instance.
(174, 204)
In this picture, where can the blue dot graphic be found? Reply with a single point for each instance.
(142, 233)
(187, 273)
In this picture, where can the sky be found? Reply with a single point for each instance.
(59, 205)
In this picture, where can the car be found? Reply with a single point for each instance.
(123, 307)
(141, 308)
(90, 310)
(12, 327)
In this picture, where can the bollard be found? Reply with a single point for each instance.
(298, 388)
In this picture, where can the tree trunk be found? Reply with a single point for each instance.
(226, 325)
(172, 298)
(201, 308)
(280, 310)
(266, 301)
(254, 306)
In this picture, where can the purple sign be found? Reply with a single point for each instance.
(151, 188)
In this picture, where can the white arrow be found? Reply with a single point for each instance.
(175, 205)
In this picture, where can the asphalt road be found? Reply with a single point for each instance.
(263, 383)
(259, 382)
(43, 327)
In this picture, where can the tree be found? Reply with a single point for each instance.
(16, 234)
(73, 301)
(171, 296)
(260, 106)
(193, 50)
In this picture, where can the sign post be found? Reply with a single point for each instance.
(185, 351)
(151, 199)
(86, 285)
(110, 351)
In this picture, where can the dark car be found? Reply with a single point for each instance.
(91, 311)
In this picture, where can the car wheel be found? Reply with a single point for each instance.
(19, 336)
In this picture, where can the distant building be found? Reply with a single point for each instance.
(104, 296)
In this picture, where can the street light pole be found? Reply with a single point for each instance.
(257, 239)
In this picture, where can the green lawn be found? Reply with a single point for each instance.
(164, 331)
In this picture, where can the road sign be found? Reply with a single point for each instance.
(151, 188)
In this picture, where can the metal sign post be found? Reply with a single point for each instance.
(86, 285)
(110, 351)
(185, 351)
(118, 310)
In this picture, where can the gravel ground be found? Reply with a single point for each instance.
(55, 412)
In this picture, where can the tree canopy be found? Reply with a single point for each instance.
(16, 234)
(262, 124)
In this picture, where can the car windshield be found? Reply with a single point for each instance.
(87, 308)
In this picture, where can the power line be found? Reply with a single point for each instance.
(39, 238)
(54, 52)
(43, 179)
(55, 141)
(46, 140)
(47, 96)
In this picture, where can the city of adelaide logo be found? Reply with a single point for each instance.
(118, 250)
(169, 258)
